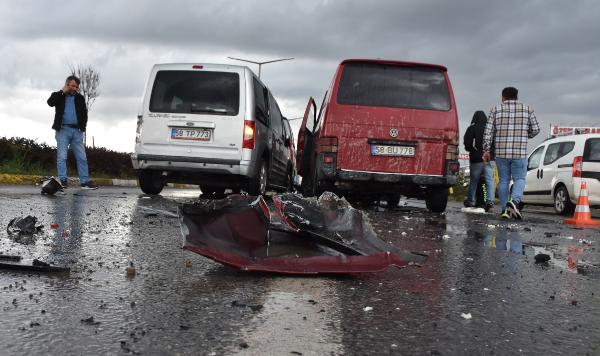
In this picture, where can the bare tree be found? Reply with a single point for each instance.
(90, 82)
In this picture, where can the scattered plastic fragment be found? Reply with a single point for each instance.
(446, 237)
(367, 309)
(54, 226)
(23, 226)
(130, 270)
(466, 316)
(51, 185)
(35, 266)
(542, 258)
(473, 210)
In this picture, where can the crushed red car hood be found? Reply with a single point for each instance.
(296, 236)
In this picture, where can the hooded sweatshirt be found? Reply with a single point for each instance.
(473, 139)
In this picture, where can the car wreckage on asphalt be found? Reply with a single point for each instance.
(293, 236)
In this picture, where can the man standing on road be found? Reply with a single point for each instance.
(509, 126)
(473, 141)
(70, 121)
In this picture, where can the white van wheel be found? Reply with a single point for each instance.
(150, 182)
(258, 184)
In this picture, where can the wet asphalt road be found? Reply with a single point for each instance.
(179, 303)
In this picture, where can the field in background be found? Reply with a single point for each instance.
(24, 156)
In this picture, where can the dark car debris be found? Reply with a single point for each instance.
(35, 266)
(23, 226)
(51, 185)
(296, 236)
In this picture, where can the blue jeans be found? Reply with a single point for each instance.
(68, 136)
(476, 169)
(507, 169)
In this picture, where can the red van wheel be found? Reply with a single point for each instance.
(437, 199)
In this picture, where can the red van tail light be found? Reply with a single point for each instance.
(249, 127)
(328, 144)
(451, 152)
(577, 166)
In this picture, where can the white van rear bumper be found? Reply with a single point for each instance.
(195, 164)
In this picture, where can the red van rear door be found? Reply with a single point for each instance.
(392, 118)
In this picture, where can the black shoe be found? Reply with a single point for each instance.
(64, 183)
(505, 214)
(513, 210)
(488, 207)
(468, 204)
(89, 185)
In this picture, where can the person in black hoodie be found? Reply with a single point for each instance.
(473, 141)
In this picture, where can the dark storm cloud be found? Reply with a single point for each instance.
(548, 49)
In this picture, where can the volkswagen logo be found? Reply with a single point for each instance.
(394, 132)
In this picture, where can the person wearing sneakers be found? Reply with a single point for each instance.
(508, 128)
(473, 141)
(70, 120)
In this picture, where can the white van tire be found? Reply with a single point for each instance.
(150, 182)
(436, 199)
(258, 183)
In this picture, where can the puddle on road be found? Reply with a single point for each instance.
(577, 257)
(295, 319)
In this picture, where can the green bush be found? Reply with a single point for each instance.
(25, 156)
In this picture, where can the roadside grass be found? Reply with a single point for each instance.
(21, 156)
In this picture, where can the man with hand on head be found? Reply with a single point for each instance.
(70, 120)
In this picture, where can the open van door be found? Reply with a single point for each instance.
(305, 138)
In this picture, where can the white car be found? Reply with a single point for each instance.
(556, 168)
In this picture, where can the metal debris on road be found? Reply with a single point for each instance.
(300, 236)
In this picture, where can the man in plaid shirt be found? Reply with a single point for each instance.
(509, 126)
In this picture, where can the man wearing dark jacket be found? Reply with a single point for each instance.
(473, 141)
(70, 120)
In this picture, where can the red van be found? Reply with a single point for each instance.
(384, 129)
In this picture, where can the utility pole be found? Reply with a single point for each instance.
(261, 63)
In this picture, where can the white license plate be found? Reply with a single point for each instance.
(178, 133)
(388, 150)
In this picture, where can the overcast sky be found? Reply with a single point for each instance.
(549, 50)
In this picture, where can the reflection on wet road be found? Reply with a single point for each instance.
(181, 303)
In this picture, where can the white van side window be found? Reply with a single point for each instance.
(261, 112)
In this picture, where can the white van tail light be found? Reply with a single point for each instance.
(577, 166)
(249, 127)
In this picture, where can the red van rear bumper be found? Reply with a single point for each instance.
(394, 178)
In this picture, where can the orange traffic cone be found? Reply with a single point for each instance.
(582, 216)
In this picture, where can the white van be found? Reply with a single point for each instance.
(556, 168)
(214, 125)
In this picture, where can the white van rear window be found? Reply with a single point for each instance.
(372, 84)
(183, 91)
